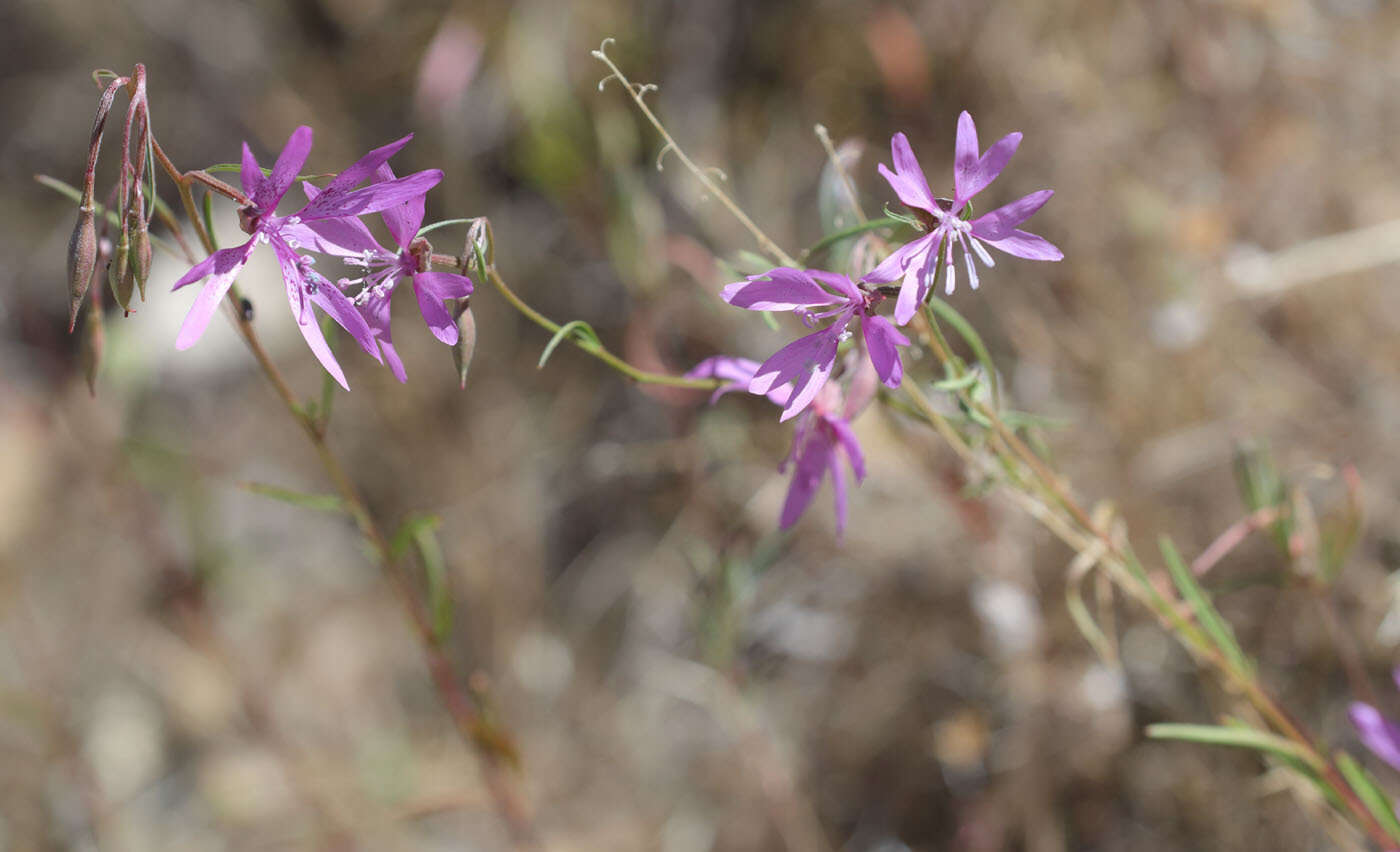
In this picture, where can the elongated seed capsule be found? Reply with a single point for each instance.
(119, 274)
(141, 253)
(82, 258)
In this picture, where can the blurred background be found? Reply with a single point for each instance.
(187, 665)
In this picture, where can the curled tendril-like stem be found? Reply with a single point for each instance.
(661, 155)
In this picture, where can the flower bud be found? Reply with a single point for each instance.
(141, 255)
(82, 258)
(465, 346)
(119, 272)
(94, 341)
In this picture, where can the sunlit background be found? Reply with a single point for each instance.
(188, 665)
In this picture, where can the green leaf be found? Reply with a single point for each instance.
(969, 334)
(408, 531)
(1207, 615)
(1375, 799)
(319, 502)
(1232, 736)
(581, 329)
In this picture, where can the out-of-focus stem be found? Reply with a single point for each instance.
(597, 350)
(763, 240)
(460, 702)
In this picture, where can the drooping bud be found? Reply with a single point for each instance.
(465, 346)
(94, 341)
(119, 272)
(141, 255)
(82, 259)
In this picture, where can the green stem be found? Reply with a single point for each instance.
(597, 350)
(846, 233)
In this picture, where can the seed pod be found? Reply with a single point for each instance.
(119, 274)
(465, 346)
(94, 341)
(82, 258)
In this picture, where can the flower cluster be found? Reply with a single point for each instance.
(797, 376)
(329, 223)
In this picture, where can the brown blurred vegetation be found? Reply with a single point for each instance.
(185, 665)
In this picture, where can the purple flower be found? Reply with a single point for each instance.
(822, 439)
(1378, 733)
(807, 361)
(350, 240)
(305, 286)
(916, 261)
(823, 436)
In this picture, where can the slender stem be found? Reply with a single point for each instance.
(592, 347)
(462, 704)
(763, 240)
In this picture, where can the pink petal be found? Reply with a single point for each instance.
(376, 313)
(915, 287)
(1003, 220)
(806, 362)
(404, 220)
(316, 342)
(907, 168)
(781, 289)
(882, 341)
(1378, 733)
(444, 285)
(813, 460)
(1029, 246)
(894, 267)
(435, 314)
(966, 154)
(847, 439)
(361, 170)
(329, 299)
(285, 170)
(225, 265)
(372, 198)
(251, 174)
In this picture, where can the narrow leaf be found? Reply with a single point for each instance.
(582, 329)
(439, 596)
(319, 502)
(1375, 799)
(1206, 614)
(1228, 735)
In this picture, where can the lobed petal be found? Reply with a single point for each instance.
(328, 298)
(780, 289)
(376, 314)
(440, 320)
(897, 264)
(285, 170)
(972, 172)
(224, 265)
(404, 220)
(1003, 220)
(1027, 245)
(250, 173)
(372, 198)
(806, 362)
(846, 438)
(361, 170)
(882, 341)
(917, 279)
(910, 175)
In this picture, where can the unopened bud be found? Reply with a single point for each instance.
(94, 340)
(479, 241)
(141, 255)
(82, 258)
(119, 273)
(465, 346)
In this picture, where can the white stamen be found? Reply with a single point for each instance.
(971, 268)
(951, 279)
(982, 253)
